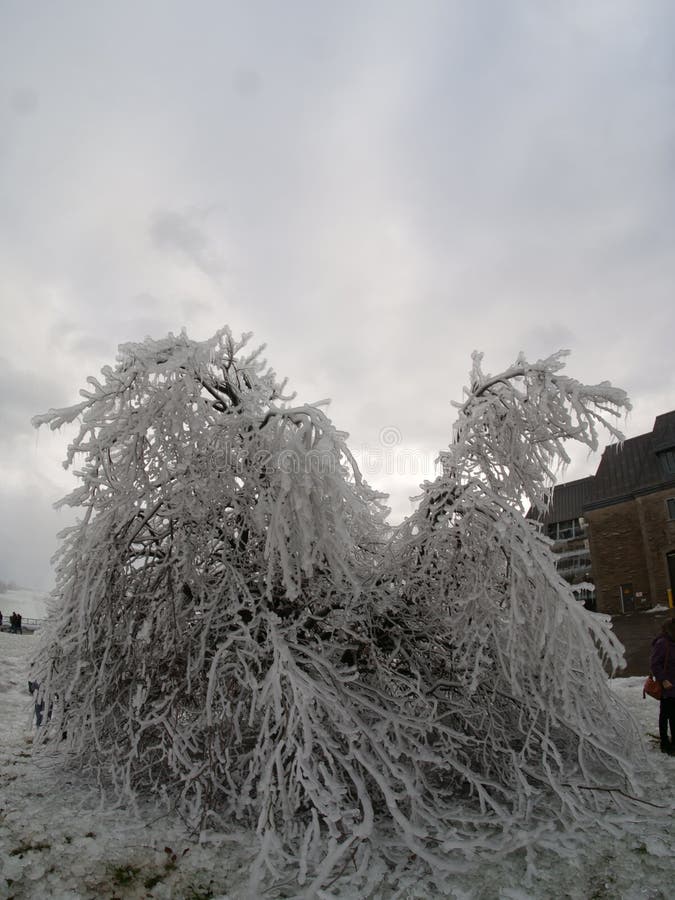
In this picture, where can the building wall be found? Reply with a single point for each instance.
(658, 538)
(629, 542)
(618, 554)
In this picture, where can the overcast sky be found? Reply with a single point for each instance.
(374, 189)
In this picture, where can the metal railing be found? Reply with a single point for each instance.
(27, 622)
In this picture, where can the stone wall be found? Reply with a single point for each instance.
(658, 539)
(629, 542)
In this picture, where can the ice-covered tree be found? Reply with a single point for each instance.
(520, 665)
(236, 630)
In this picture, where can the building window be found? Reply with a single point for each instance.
(575, 562)
(667, 458)
(671, 508)
(565, 531)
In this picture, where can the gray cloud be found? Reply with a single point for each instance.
(22, 392)
(374, 189)
(547, 337)
(24, 101)
(181, 233)
(28, 534)
(247, 82)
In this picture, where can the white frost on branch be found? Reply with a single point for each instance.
(512, 428)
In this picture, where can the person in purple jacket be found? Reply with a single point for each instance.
(662, 664)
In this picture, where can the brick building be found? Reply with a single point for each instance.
(616, 529)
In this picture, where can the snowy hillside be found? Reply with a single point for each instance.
(56, 843)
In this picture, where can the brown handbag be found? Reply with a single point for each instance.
(652, 687)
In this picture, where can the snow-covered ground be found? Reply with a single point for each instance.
(55, 841)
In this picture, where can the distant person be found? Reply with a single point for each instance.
(0, 620)
(662, 665)
(19, 620)
(13, 622)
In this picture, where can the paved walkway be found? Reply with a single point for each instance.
(636, 631)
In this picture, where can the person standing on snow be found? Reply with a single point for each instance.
(662, 664)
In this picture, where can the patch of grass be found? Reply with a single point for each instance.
(124, 875)
(153, 880)
(199, 892)
(170, 864)
(25, 848)
(603, 885)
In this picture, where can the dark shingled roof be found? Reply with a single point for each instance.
(568, 500)
(631, 467)
(663, 435)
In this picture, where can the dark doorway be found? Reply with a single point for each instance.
(627, 597)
